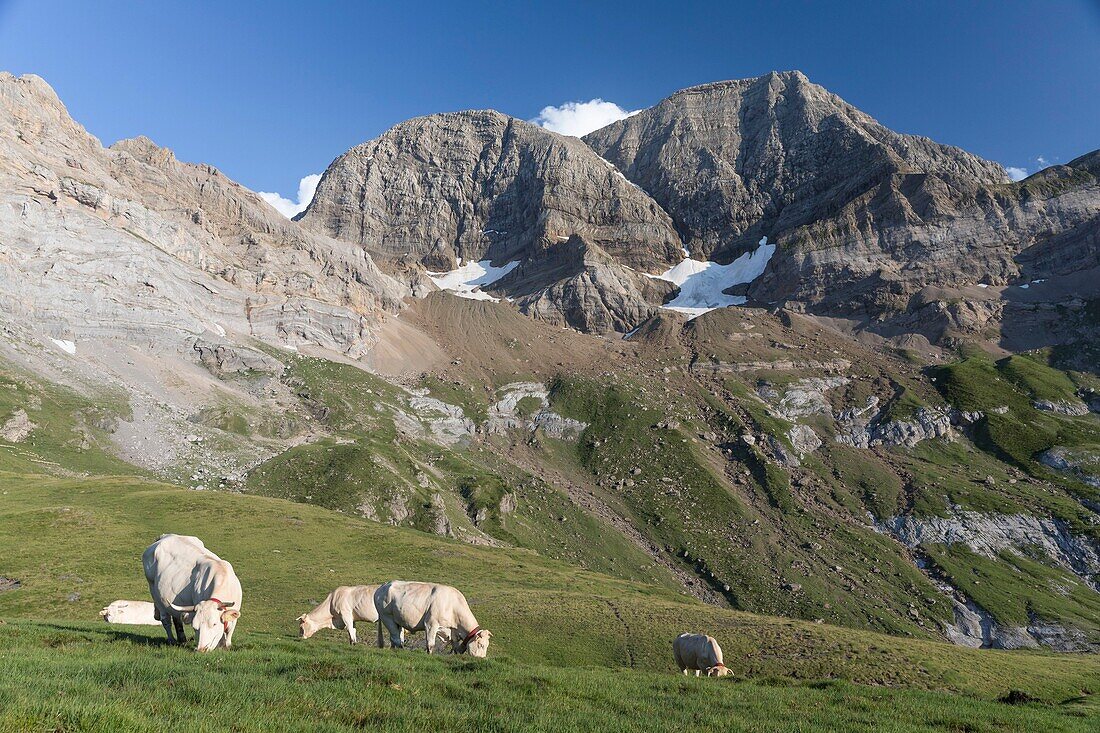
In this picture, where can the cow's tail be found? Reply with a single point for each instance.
(379, 625)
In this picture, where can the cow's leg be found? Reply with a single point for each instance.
(431, 635)
(684, 671)
(696, 673)
(166, 622)
(181, 638)
(349, 625)
(397, 634)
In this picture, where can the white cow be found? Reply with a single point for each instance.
(190, 583)
(131, 612)
(436, 609)
(340, 610)
(700, 653)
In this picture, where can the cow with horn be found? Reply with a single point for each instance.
(190, 584)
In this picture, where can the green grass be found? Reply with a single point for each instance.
(859, 480)
(70, 677)
(904, 406)
(1039, 380)
(371, 466)
(1021, 432)
(334, 475)
(79, 545)
(1013, 588)
(70, 433)
(946, 473)
(758, 537)
(474, 403)
(528, 406)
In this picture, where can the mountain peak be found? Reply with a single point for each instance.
(785, 77)
(732, 161)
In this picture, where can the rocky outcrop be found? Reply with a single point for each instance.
(556, 426)
(480, 185)
(972, 626)
(870, 223)
(128, 242)
(17, 427)
(446, 424)
(990, 534)
(807, 397)
(223, 358)
(505, 414)
(1082, 464)
(576, 284)
(1066, 407)
(860, 431)
(803, 439)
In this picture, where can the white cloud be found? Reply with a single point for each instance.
(1042, 161)
(306, 188)
(1016, 174)
(581, 118)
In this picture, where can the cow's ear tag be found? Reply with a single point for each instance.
(229, 615)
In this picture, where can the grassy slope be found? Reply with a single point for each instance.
(368, 461)
(789, 542)
(78, 677)
(777, 554)
(68, 432)
(80, 543)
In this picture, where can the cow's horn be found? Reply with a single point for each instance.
(182, 609)
(227, 605)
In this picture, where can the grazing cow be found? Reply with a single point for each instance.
(700, 653)
(131, 612)
(436, 609)
(190, 583)
(340, 610)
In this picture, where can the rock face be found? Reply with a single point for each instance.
(989, 534)
(860, 431)
(894, 231)
(974, 627)
(481, 185)
(123, 269)
(575, 283)
(1082, 464)
(865, 218)
(129, 242)
(505, 414)
(736, 160)
(17, 427)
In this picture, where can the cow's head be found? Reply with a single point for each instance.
(210, 620)
(478, 645)
(718, 670)
(307, 627)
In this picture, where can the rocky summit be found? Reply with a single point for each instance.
(886, 231)
(748, 349)
(878, 227)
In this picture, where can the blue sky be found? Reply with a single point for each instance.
(271, 91)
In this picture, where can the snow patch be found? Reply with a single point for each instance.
(69, 347)
(701, 282)
(467, 280)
